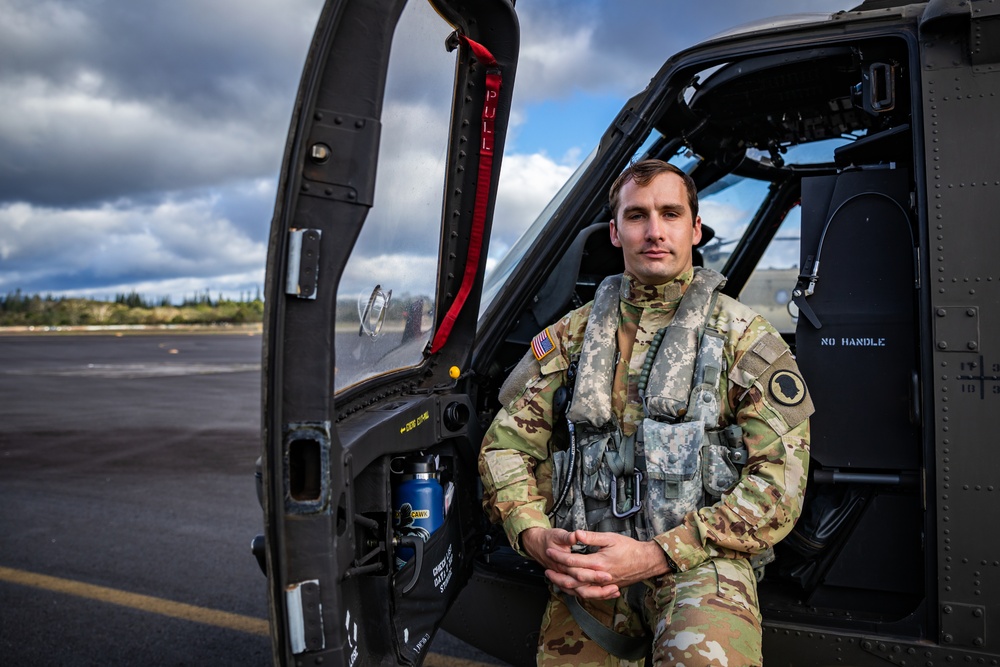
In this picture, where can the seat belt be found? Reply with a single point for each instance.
(615, 643)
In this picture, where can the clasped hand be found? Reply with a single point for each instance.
(616, 561)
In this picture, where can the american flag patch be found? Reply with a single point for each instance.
(542, 344)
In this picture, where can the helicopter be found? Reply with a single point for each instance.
(848, 166)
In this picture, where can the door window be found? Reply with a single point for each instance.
(385, 298)
(769, 289)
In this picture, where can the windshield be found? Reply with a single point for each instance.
(497, 275)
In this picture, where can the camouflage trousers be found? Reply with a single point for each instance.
(706, 616)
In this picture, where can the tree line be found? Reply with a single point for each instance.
(19, 309)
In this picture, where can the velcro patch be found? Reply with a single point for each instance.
(506, 467)
(755, 362)
(523, 373)
(542, 345)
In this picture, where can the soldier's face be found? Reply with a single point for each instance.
(654, 229)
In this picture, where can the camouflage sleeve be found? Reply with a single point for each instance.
(514, 461)
(771, 403)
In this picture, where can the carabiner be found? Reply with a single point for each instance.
(636, 495)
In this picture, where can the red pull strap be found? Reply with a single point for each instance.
(493, 81)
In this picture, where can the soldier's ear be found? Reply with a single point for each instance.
(615, 241)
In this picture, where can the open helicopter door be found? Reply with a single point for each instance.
(375, 267)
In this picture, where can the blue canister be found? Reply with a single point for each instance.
(418, 502)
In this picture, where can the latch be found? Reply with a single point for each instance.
(306, 462)
(879, 87)
(339, 157)
(373, 311)
(302, 275)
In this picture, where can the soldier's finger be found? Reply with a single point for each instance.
(565, 582)
(562, 537)
(573, 586)
(588, 576)
(594, 539)
(585, 575)
(570, 559)
(597, 592)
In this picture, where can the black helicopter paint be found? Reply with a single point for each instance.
(869, 137)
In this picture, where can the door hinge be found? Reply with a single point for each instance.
(305, 617)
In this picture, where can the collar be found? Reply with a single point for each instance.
(664, 297)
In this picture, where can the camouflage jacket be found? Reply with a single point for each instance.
(515, 460)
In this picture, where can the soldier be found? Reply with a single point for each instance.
(684, 458)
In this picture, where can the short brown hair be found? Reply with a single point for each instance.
(643, 172)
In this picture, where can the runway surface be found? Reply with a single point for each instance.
(127, 502)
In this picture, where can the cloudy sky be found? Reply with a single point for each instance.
(140, 142)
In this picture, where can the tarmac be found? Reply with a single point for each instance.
(127, 488)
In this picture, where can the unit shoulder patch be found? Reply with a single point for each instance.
(786, 391)
(787, 388)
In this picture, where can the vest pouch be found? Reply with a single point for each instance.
(674, 484)
(718, 473)
(597, 477)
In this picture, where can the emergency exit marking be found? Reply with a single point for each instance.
(413, 423)
(975, 382)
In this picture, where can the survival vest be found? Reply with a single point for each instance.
(680, 458)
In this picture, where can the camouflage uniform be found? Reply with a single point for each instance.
(706, 612)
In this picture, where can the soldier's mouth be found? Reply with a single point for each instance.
(656, 253)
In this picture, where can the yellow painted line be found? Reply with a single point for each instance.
(185, 612)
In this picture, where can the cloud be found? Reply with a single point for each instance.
(527, 183)
(68, 145)
(727, 219)
(618, 45)
(115, 99)
(140, 142)
(113, 245)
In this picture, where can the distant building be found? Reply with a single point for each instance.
(769, 292)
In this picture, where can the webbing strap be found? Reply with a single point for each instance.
(493, 81)
(615, 643)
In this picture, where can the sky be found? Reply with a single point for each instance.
(140, 142)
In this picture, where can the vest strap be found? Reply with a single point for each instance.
(615, 643)
(671, 373)
(596, 369)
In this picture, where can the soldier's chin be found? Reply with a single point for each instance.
(656, 274)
